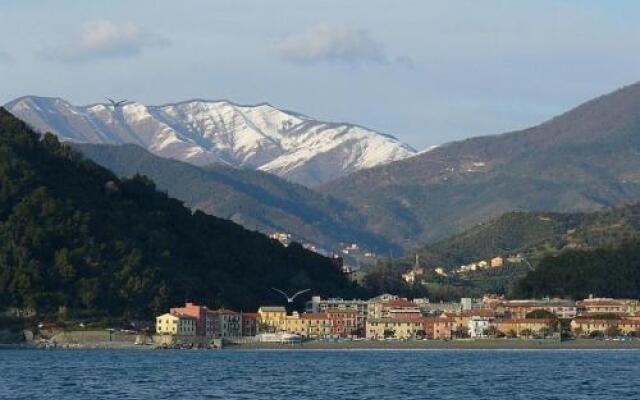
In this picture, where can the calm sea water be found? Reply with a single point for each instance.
(339, 374)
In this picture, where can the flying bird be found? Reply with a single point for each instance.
(290, 299)
(116, 104)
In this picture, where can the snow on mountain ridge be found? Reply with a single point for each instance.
(202, 132)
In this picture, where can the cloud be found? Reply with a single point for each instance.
(105, 40)
(324, 43)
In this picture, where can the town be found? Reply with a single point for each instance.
(389, 317)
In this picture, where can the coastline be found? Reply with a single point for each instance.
(483, 344)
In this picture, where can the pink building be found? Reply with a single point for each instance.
(196, 311)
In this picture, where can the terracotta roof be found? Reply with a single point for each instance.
(318, 315)
(400, 303)
(526, 321)
(481, 312)
(181, 315)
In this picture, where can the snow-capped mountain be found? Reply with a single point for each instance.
(202, 132)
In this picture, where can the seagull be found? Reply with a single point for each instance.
(116, 104)
(290, 299)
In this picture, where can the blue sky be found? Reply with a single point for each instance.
(427, 72)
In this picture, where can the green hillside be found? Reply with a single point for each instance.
(73, 234)
(535, 235)
(254, 199)
(612, 271)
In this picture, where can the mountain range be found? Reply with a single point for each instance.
(202, 132)
(584, 160)
(580, 161)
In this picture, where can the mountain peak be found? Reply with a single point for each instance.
(201, 132)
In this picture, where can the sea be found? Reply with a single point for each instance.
(320, 374)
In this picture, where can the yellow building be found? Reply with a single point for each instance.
(294, 324)
(629, 325)
(397, 328)
(271, 319)
(532, 325)
(175, 325)
(585, 325)
(317, 324)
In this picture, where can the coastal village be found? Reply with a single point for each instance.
(389, 317)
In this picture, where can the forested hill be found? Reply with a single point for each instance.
(610, 271)
(73, 234)
(253, 199)
(536, 235)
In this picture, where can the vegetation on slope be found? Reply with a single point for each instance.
(254, 199)
(605, 272)
(74, 235)
(535, 235)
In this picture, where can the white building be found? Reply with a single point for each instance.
(176, 325)
(478, 327)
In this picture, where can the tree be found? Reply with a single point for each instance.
(461, 332)
(74, 236)
(389, 333)
(596, 334)
(526, 333)
(613, 331)
(541, 314)
(493, 331)
(544, 331)
(578, 331)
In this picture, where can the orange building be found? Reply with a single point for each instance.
(199, 313)
(443, 327)
(343, 322)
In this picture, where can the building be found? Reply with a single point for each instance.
(199, 313)
(294, 324)
(478, 327)
(520, 326)
(249, 324)
(396, 307)
(462, 318)
(396, 328)
(496, 262)
(412, 275)
(317, 324)
(467, 303)
(176, 325)
(519, 309)
(608, 306)
(361, 307)
(443, 327)
(271, 318)
(343, 322)
(226, 323)
(428, 308)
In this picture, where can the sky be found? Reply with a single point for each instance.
(427, 72)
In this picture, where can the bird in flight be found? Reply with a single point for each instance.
(290, 299)
(116, 104)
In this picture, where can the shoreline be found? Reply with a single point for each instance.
(482, 344)
(462, 344)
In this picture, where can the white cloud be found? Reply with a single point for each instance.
(323, 43)
(105, 39)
